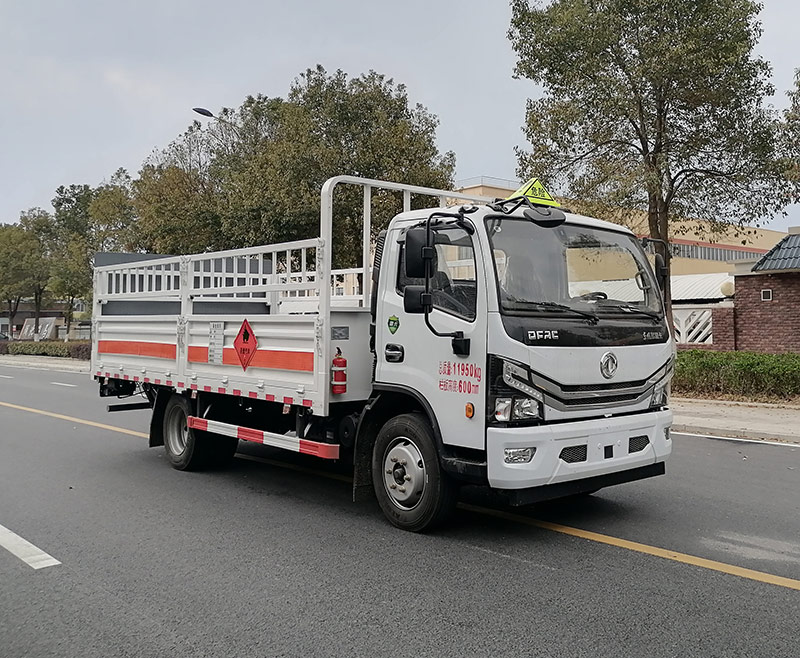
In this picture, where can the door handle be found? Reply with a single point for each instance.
(394, 353)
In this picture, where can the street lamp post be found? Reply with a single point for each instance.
(208, 113)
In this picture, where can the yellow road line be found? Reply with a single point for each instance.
(675, 556)
(71, 419)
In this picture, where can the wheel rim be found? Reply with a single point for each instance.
(177, 431)
(404, 473)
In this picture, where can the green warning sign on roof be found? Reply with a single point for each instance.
(535, 192)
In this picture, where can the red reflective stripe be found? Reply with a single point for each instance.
(197, 354)
(236, 391)
(269, 397)
(168, 382)
(247, 434)
(180, 385)
(222, 390)
(288, 400)
(146, 380)
(137, 348)
(158, 381)
(324, 450)
(193, 387)
(307, 403)
(126, 377)
(275, 359)
(207, 389)
(198, 423)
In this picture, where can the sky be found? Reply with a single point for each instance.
(88, 86)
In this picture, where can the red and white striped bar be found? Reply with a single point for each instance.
(323, 450)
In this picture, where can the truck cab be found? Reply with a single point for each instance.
(540, 346)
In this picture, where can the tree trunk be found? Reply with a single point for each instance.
(663, 228)
(13, 306)
(69, 313)
(37, 309)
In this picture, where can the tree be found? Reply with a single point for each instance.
(652, 105)
(254, 175)
(41, 225)
(18, 250)
(363, 126)
(111, 213)
(72, 274)
(72, 262)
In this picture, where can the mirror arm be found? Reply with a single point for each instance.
(460, 344)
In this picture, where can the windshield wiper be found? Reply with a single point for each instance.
(629, 308)
(523, 304)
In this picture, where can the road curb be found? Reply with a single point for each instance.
(731, 434)
(736, 403)
(44, 363)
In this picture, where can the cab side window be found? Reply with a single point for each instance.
(454, 284)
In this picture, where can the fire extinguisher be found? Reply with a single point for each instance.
(339, 384)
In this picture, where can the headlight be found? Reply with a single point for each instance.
(659, 396)
(525, 408)
(517, 377)
(506, 409)
(502, 409)
(512, 396)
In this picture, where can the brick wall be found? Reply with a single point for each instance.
(772, 326)
(724, 328)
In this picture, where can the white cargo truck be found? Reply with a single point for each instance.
(508, 344)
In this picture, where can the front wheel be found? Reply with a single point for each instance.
(412, 490)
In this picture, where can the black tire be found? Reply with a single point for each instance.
(422, 496)
(189, 449)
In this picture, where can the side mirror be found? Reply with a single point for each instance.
(661, 271)
(416, 300)
(420, 256)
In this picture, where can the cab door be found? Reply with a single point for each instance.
(410, 356)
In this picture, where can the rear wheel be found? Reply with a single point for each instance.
(412, 490)
(189, 449)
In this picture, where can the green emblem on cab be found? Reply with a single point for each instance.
(394, 324)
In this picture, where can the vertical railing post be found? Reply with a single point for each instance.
(365, 246)
(181, 354)
(324, 255)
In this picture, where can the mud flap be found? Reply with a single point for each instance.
(157, 419)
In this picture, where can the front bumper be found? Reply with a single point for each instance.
(607, 444)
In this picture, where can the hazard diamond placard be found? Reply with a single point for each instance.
(245, 344)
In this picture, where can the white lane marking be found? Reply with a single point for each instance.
(785, 444)
(538, 565)
(31, 555)
(6, 377)
(60, 384)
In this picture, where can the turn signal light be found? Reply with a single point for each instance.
(469, 410)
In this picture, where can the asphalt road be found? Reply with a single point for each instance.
(265, 560)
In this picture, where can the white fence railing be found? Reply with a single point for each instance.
(693, 325)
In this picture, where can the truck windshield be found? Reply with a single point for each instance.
(570, 270)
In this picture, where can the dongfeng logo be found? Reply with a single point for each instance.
(608, 365)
